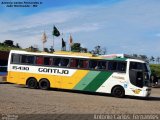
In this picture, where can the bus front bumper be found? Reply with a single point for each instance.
(147, 92)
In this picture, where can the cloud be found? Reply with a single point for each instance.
(84, 28)
(126, 26)
(40, 19)
(27, 30)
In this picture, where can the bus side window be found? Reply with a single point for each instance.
(121, 66)
(93, 64)
(39, 60)
(47, 61)
(27, 59)
(74, 63)
(64, 62)
(56, 61)
(112, 65)
(102, 65)
(15, 58)
(83, 64)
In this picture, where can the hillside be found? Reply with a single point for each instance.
(6, 48)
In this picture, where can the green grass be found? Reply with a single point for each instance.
(155, 68)
(5, 48)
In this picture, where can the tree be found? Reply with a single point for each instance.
(84, 50)
(8, 43)
(46, 50)
(144, 57)
(158, 60)
(32, 49)
(99, 51)
(135, 55)
(104, 51)
(51, 49)
(152, 59)
(76, 47)
(17, 45)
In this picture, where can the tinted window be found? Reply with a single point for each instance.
(136, 65)
(56, 61)
(27, 59)
(47, 61)
(121, 66)
(146, 67)
(78, 63)
(93, 64)
(64, 62)
(83, 64)
(101, 64)
(39, 60)
(15, 58)
(61, 62)
(117, 66)
(74, 63)
(112, 65)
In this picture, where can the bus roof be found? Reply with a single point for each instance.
(57, 53)
(74, 54)
(121, 57)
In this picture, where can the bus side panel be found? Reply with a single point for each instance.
(86, 80)
(71, 81)
(64, 82)
(13, 77)
(113, 80)
(21, 78)
(98, 81)
(56, 81)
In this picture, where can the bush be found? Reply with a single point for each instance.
(155, 69)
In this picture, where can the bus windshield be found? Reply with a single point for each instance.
(139, 66)
(139, 74)
(147, 68)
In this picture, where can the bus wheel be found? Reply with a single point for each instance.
(118, 91)
(44, 84)
(32, 83)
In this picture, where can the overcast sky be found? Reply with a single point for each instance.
(122, 26)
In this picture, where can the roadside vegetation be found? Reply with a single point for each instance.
(8, 45)
(155, 68)
(6, 48)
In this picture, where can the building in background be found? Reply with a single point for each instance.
(3, 62)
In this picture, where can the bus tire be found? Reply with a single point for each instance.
(32, 83)
(44, 84)
(118, 91)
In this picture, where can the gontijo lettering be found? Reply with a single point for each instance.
(56, 71)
